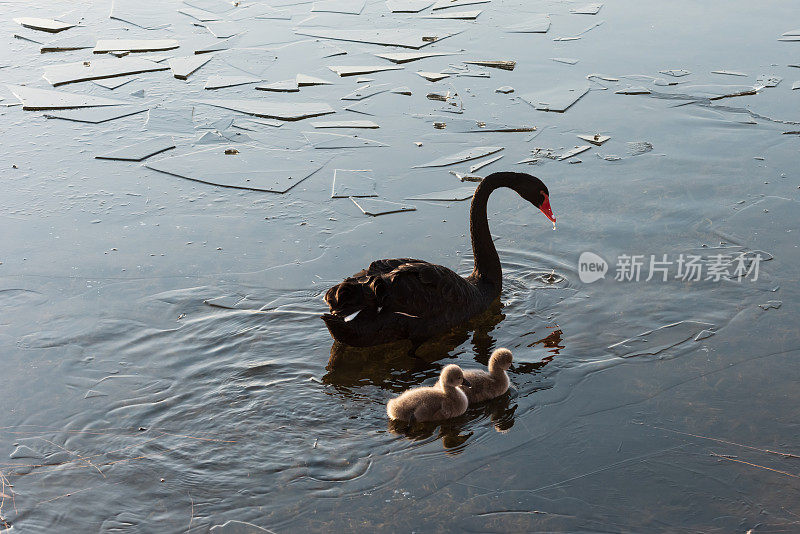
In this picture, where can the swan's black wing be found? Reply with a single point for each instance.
(405, 285)
(397, 299)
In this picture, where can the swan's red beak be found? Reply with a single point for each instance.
(546, 209)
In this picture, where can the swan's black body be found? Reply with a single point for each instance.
(412, 299)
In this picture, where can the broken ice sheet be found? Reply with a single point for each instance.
(451, 195)
(636, 148)
(34, 99)
(633, 90)
(728, 72)
(304, 80)
(348, 7)
(80, 71)
(504, 65)
(114, 83)
(200, 15)
(767, 80)
(444, 4)
(567, 60)
(405, 57)
(588, 9)
(223, 30)
(408, 6)
(656, 341)
(140, 151)
(257, 169)
(375, 207)
(460, 157)
(407, 38)
(353, 183)
(161, 119)
(483, 164)
(433, 76)
(283, 86)
(473, 126)
(796, 85)
(774, 304)
(72, 42)
(595, 139)
(288, 111)
(217, 82)
(366, 91)
(345, 124)
(574, 152)
(354, 70)
(455, 15)
(579, 34)
(331, 141)
(402, 91)
(675, 72)
(767, 227)
(557, 99)
(131, 11)
(134, 45)
(535, 24)
(213, 6)
(45, 25)
(209, 138)
(97, 115)
(183, 67)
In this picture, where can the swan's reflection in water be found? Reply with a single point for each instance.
(396, 367)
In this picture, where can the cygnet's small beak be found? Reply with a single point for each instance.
(465, 382)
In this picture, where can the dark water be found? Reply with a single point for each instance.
(132, 405)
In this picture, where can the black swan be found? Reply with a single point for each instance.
(442, 401)
(404, 298)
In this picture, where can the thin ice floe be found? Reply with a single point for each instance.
(448, 195)
(408, 6)
(375, 207)
(45, 25)
(407, 38)
(183, 67)
(405, 57)
(354, 70)
(80, 71)
(134, 45)
(140, 151)
(35, 99)
(218, 82)
(275, 171)
(653, 342)
(462, 156)
(333, 141)
(558, 99)
(288, 111)
(97, 115)
(353, 183)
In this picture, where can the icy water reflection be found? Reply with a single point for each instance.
(165, 368)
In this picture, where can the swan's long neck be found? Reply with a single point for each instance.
(487, 262)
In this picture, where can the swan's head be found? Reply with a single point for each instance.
(453, 376)
(534, 191)
(501, 359)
